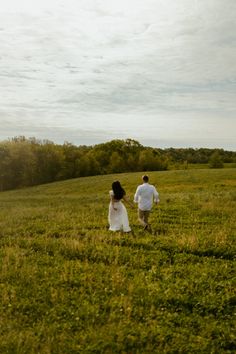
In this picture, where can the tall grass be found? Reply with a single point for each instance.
(68, 285)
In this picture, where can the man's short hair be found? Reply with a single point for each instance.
(145, 178)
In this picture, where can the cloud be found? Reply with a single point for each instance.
(55, 132)
(77, 63)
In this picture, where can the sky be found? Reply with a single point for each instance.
(161, 72)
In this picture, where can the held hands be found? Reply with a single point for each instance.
(132, 205)
(126, 199)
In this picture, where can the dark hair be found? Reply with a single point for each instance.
(145, 178)
(119, 192)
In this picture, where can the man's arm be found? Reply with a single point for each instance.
(156, 195)
(136, 196)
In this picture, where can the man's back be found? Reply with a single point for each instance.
(144, 196)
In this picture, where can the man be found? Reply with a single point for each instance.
(144, 196)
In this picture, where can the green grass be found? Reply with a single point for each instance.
(68, 285)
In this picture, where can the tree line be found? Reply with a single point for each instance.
(29, 161)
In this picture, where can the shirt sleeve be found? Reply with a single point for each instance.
(155, 195)
(136, 196)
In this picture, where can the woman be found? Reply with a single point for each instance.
(118, 217)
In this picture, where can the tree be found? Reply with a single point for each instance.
(116, 163)
(150, 161)
(22, 163)
(50, 162)
(215, 160)
(4, 167)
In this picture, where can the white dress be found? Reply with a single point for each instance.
(118, 219)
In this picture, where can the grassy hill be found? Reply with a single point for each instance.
(68, 285)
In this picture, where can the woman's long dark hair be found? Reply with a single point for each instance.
(119, 192)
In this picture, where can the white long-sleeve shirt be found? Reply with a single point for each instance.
(144, 196)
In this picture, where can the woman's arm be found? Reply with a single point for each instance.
(126, 199)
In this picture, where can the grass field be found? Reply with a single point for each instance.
(68, 285)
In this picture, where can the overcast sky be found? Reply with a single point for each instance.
(162, 72)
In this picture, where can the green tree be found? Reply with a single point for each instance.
(4, 167)
(149, 161)
(22, 163)
(216, 160)
(116, 163)
(50, 162)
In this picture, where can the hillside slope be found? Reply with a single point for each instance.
(68, 285)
